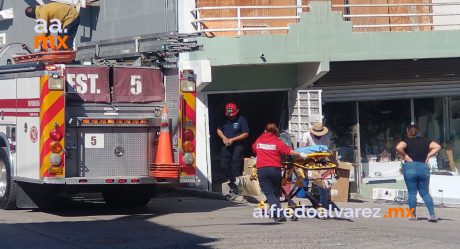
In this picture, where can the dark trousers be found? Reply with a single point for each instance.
(323, 194)
(270, 183)
(231, 158)
(72, 29)
(417, 178)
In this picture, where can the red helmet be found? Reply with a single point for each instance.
(231, 109)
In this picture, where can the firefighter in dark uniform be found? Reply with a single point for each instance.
(233, 134)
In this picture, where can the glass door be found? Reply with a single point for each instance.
(453, 133)
(382, 126)
(341, 119)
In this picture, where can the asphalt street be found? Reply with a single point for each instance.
(193, 222)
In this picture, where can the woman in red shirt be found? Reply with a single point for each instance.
(269, 148)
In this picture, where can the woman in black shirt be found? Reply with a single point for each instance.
(415, 151)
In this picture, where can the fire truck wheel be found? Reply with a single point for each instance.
(127, 196)
(7, 186)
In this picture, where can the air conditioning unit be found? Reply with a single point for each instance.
(398, 195)
(80, 3)
(6, 14)
(401, 195)
(90, 3)
(384, 194)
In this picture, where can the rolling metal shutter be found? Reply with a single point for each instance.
(378, 80)
(366, 92)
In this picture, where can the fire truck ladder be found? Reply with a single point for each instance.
(160, 49)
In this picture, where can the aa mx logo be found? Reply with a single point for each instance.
(399, 212)
(46, 41)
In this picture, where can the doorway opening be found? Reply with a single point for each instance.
(258, 108)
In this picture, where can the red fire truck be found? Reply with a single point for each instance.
(88, 128)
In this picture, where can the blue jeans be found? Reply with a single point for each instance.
(417, 178)
(270, 184)
(323, 193)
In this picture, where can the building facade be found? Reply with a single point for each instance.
(380, 67)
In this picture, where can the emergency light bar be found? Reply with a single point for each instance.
(114, 122)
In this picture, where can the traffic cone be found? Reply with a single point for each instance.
(164, 149)
(164, 167)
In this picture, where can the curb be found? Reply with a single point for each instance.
(216, 196)
(200, 193)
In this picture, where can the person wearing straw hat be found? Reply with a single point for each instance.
(316, 135)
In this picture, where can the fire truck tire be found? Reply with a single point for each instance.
(8, 187)
(127, 196)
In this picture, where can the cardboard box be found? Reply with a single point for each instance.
(315, 177)
(246, 186)
(339, 190)
(249, 165)
(450, 156)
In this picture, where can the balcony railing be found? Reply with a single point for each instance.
(380, 16)
(244, 20)
(402, 16)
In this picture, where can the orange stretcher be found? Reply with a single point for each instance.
(323, 164)
(48, 57)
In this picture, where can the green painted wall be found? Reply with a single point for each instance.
(253, 77)
(322, 35)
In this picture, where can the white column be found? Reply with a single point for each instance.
(203, 157)
(185, 18)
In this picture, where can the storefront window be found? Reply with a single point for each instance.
(428, 117)
(453, 132)
(341, 120)
(382, 126)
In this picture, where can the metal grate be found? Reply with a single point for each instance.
(134, 142)
(307, 110)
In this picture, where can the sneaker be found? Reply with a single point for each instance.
(280, 219)
(413, 218)
(323, 214)
(232, 184)
(234, 191)
(233, 188)
(432, 218)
